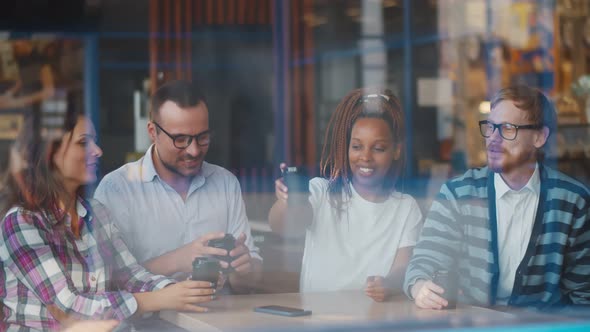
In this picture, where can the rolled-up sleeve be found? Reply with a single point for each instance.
(128, 273)
(238, 222)
(132, 276)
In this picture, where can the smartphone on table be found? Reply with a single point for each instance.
(282, 311)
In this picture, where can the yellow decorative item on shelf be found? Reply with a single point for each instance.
(568, 110)
(581, 88)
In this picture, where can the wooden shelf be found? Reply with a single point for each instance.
(573, 125)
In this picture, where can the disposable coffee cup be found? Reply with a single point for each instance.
(448, 281)
(206, 269)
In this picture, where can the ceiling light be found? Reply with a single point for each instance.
(484, 107)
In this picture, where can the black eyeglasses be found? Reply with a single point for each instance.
(183, 141)
(508, 131)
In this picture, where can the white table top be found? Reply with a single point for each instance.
(234, 312)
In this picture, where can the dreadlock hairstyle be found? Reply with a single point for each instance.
(357, 104)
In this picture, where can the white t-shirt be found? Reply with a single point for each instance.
(342, 251)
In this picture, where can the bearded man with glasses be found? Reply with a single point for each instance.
(516, 232)
(171, 202)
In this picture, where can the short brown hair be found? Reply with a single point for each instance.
(183, 93)
(539, 109)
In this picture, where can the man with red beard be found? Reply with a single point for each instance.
(171, 202)
(516, 231)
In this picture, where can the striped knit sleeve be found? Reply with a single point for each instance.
(439, 241)
(576, 276)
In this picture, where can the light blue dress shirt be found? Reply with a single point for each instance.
(154, 219)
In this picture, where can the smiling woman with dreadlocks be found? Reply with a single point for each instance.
(359, 231)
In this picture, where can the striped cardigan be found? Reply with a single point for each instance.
(460, 232)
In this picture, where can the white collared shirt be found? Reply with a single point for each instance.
(515, 214)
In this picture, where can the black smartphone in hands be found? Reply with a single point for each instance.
(228, 242)
(296, 179)
(297, 182)
(282, 311)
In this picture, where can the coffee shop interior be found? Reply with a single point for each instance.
(273, 72)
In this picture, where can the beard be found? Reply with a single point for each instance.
(495, 167)
(174, 169)
(508, 162)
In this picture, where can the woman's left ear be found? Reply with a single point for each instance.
(50, 154)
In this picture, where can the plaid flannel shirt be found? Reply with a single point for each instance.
(42, 264)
